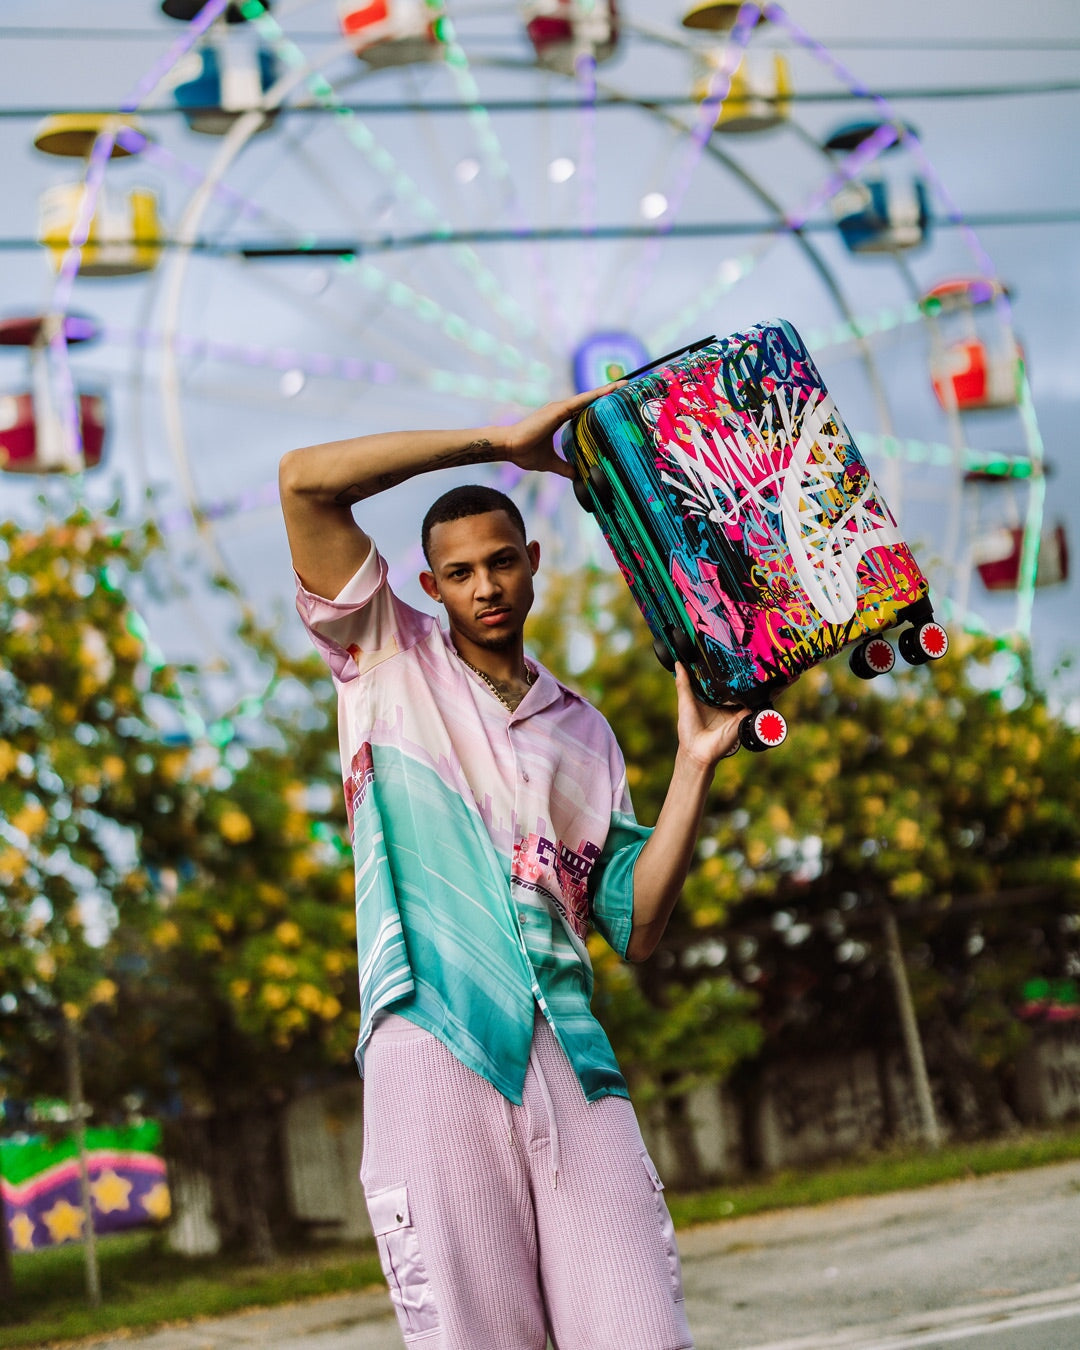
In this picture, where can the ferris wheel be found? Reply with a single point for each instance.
(347, 214)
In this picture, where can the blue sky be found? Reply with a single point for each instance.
(1010, 153)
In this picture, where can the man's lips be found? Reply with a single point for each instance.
(491, 617)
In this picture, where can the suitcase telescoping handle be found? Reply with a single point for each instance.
(661, 360)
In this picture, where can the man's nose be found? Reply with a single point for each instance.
(487, 583)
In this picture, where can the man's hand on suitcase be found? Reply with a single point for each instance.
(706, 734)
(529, 443)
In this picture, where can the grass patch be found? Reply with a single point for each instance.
(891, 1170)
(145, 1285)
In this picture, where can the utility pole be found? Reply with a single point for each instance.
(909, 1028)
(79, 1112)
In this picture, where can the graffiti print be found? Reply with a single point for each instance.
(743, 516)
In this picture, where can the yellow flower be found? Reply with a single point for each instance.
(310, 997)
(288, 933)
(39, 696)
(103, 992)
(165, 935)
(907, 835)
(31, 819)
(335, 962)
(330, 1008)
(240, 989)
(271, 895)
(235, 826)
(223, 922)
(274, 996)
(114, 768)
(8, 759)
(278, 966)
(45, 965)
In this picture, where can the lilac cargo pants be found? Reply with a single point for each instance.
(497, 1224)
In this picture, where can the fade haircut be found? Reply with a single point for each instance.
(473, 499)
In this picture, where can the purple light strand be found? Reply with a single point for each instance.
(708, 109)
(585, 72)
(863, 154)
(273, 358)
(80, 229)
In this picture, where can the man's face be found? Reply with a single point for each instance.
(482, 572)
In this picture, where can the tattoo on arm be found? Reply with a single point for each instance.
(476, 452)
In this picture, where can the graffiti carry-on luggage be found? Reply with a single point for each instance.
(746, 523)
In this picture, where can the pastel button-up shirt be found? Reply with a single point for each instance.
(486, 843)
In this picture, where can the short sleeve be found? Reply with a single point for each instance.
(611, 882)
(365, 624)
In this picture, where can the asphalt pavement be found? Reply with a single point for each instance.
(983, 1264)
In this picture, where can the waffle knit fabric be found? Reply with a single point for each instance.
(499, 1225)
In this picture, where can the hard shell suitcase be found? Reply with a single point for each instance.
(746, 522)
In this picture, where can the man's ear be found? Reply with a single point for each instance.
(430, 586)
(533, 550)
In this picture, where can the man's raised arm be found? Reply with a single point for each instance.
(321, 484)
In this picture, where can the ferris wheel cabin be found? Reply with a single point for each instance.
(391, 32)
(561, 31)
(33, 436)
(125, 236)
(887, 209)
(977, 362)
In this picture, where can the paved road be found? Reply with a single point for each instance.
(990, 1264)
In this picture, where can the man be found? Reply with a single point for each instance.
(509, 1189)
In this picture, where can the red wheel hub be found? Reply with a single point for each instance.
(880, 656)
(934, 640)
(770, 727)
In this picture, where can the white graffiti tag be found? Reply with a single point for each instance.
(738, 474)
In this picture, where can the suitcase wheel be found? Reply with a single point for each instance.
(763, 730)
(685, 648)
(662, 654)
(601, 484)
(581, 492)
(923, 642)
(873, 657)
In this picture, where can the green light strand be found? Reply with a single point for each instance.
(1029, 555)
(360, 135)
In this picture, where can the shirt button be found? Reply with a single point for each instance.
(524, 777)
(521, 917)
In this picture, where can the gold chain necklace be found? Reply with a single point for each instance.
(530, 680)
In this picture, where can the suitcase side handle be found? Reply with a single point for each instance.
(660, 360)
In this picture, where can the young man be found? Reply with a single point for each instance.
(509, 1189)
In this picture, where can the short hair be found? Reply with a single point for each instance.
(472, 499)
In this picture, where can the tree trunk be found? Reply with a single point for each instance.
(689, 1173)
(7, 1279)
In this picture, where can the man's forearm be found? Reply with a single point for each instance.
(663, 863)
(341, 473)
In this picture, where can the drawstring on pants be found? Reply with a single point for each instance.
(549, 1107)
(553, 1127)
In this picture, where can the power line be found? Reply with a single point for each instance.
(411, 107)
(69, 33)
(267, 251)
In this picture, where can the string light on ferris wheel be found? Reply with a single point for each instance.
(360, 135)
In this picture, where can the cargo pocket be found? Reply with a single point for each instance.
(667, 1229)
(403, 1264)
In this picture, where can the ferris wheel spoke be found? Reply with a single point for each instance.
(700, 134)
(360, 135)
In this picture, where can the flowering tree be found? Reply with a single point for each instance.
(949, 794)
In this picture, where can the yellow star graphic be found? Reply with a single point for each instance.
(64, 1221)
(111, 1193)
(22, 1232)
(157, 1201)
